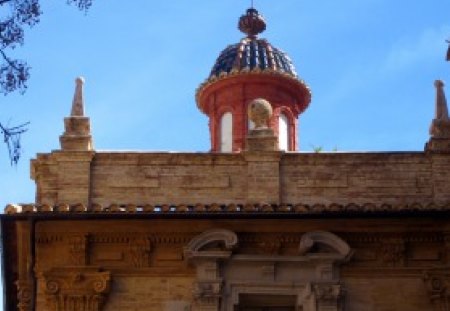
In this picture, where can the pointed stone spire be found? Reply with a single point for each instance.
(440, 126)
(78, 100)
(441, 120)
(77, 134)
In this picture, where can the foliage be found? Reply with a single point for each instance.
(15, 16)
(11, 137)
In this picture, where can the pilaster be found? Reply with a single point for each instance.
(76, 288)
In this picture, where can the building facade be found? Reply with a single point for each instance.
(250, 226)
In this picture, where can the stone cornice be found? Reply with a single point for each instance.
(229, 209)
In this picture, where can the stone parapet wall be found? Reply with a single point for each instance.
(248, 177)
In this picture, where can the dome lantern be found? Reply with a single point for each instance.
(252, 68)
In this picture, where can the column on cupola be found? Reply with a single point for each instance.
(248, 70)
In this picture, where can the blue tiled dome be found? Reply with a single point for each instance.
(252, 54)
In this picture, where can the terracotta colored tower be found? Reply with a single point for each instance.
(251, 69)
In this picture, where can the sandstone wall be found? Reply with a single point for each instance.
(265, 177)
(147, 268)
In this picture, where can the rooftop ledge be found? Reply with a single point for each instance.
(264, 210)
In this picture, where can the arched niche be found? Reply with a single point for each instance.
(284, 135)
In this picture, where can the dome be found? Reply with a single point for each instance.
(252, 54)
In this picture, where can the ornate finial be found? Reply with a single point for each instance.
(252, 23)
(78, 101)
(260, 111)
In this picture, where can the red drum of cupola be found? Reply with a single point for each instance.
(251, 69)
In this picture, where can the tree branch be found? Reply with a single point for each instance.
(6, 58)
(2, 2)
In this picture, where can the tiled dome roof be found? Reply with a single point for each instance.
(252, 54)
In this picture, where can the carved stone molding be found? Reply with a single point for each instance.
(24, 295)
(437, 282)
(76, 288)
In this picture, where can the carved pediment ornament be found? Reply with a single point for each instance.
(336, 246)
(72, 289)
(205, 244)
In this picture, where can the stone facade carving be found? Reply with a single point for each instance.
(140, 249)
(329, 296)
(393, 252)
(437, 282)
(260, 111)
(74, 289)
(225, 277)
(24, 295)
(205, 252)
(78, 249)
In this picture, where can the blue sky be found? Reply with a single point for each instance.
(370, 64)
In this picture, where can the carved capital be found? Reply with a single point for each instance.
(77, 288)
(437, 282)
(24, 295)
(207, 293)
(329, 296)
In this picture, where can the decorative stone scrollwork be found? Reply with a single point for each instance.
(78, 249)
(73, 289)
(140, 249)
(271, 246)
(437, 282)
(393, 253)
(24, 295)
(198, 245)
(327, 240)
